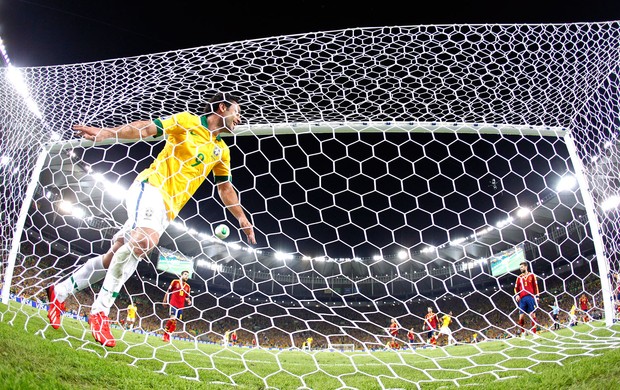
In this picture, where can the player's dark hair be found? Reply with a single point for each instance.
(524, 263)
(221, 97)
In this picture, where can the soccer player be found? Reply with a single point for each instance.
(393, 344)
(411, 337)
(526, 295)
(616, 283)
(132, 310)
(572, 315)
(233, 338)
(584, 305)
(309, 341)
(393, 329)
(226, 337)
(193, 149)
(555, 312)
(87, 274)
(430, 325)
(176, 296)
(446, 320)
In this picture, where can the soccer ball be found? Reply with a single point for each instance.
(222, 231)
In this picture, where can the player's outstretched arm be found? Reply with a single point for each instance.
(229, 197)
(133, 130)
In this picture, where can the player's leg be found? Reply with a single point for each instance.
(149, 216)
(171, 324)
(433, 340)
(523, 311)
(86, 275)
(123, 265)
(531, 312)
(522, 324)
(448, 332)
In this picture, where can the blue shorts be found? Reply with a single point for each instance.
(176, 313)
(527, 304)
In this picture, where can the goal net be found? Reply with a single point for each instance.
(389, 173)
(343, 347)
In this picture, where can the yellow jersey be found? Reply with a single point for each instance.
(446, 321)
(131, 311)
(190, 154)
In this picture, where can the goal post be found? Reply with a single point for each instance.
(388, 172)
(16, 238)
(607, 288)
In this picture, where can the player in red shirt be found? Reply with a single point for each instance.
(411, 337)
(584, 305)
(430, 324)
(393, 330)
(178, 293)
(526, 295)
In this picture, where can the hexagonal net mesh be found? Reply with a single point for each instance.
(388, 172)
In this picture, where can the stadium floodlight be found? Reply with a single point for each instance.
(16, 79)
(500, 224)
(567, 183)
(65, 207)
(282, 256)
(523, 212)
(610, 203)
(78, 212)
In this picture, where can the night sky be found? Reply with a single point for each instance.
(44, 32)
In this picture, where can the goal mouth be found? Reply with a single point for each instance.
(385, 171)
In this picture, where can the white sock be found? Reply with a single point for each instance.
(122, 266)
(88, 273)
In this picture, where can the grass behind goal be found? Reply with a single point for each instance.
(68, 358)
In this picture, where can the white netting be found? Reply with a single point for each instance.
(386, 170)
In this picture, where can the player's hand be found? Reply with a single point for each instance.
(248, 229)
(92, 133)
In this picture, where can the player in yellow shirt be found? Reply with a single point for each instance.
(194, 148)
(572, 316)
(226, 337)
(446, 320)
(132, 310)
